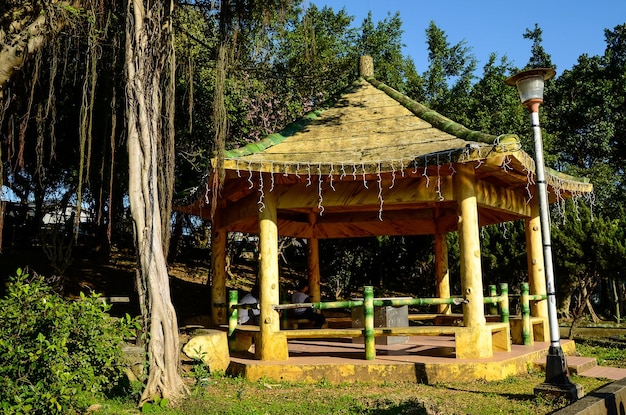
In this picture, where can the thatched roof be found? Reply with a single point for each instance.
(368, 129)
(372, 133)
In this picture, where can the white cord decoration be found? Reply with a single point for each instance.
(319, 193)
(261, 193)
(250, 176)
(439, 180)
(207, 200)
(364, 177)
(379, 180)
(506, 164)
(308, 180)
(425, 172)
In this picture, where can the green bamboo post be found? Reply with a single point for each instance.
(493, 308)
(504, 302)
(233, 313)
(368, 318)
(525, 305)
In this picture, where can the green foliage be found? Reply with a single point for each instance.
(587, 249)
(450, 72)
(503, 250)
(55, 354)
(156, 406)
(587, 107)
(539, 57)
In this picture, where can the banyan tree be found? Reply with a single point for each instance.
(374, 162)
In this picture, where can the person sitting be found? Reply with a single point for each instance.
(301, 296)
(250, 315)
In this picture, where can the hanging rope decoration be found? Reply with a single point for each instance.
(530, 181)
(272, 176)
(441, 198)
(330, 177)
(319, 191)
(327, 172)
(261, 193)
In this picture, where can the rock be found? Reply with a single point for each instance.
(135, 359)
(210, 346)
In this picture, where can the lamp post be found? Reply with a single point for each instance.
(530, 86)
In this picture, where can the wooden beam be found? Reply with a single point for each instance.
(502, 199)
(355, 193)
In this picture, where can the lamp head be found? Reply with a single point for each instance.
(530, 85)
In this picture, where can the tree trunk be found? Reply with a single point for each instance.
(148, 49)
(586, 295)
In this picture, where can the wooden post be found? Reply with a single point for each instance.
(442, 272)
(313, 269)
(469, 244)
(219, 314)
(271, 345)
(476, 342)
(534, 254)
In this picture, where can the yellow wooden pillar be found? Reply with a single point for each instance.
(477, 342)
(469, 244)
(442, 272)
(219, 313)
(313, 269)
(536, 270)
(272, 344)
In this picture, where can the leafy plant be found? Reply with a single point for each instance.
(56, 355)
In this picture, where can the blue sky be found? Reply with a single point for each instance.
(570, 28)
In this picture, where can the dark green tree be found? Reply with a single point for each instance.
(450, 73)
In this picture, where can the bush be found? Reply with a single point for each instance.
(55, 354)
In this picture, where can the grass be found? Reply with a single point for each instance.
(233, 396)
(607, 352)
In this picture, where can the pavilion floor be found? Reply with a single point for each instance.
(422, 359)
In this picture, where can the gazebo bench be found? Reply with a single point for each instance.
(539, 329)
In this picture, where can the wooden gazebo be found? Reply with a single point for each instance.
(375, 162)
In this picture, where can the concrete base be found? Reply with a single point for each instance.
(423, 359)
(570, 391)
(210, 346)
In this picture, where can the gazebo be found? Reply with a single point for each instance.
(374, 162)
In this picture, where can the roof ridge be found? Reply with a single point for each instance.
(437, 120)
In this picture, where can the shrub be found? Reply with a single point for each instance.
(55, 354)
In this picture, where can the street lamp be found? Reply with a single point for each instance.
(530, 86)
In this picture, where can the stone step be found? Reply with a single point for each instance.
(575, 364)
(606, 372)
